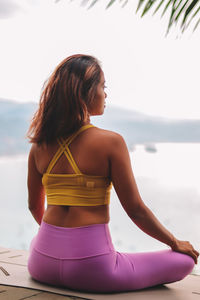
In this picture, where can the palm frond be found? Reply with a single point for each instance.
(159, 5)
(196, 12)
(92, 4)
(139, 4)
(174, 9)
(110, 3)
(188, 11)
(179, 8)
(186, 26)
(180, 11)
(166, 7)
(147, 6)
(195, 27)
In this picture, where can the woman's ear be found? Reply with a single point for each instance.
(87, 116)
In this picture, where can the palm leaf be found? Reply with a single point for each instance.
(174, 9)
(110, 3)
(186, 26)
(166, 7)
(195, 27)
(139, 4)
(188, 11)
(179, 8)
(157, 8)
(195, 13)
(92, 4)
(180, 11)
(147, 7)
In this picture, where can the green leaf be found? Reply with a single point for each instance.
(196, 12)
(147, 7)
(172, 14)
(157, 8)
(178, 8)
(198, 9)
(110, 3)
(188, 10)
(139, 4)
(168, 3)
(180, 11)
(195, 27)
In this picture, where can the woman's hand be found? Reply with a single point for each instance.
(185, 247)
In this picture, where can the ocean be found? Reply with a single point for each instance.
(167, 176)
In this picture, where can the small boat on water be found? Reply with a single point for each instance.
(150, 148)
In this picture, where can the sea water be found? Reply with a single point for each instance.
(168, 182)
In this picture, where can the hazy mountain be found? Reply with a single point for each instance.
(143, 129)
(14, 122)
(134, 126)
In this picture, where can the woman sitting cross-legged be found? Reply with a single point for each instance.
(75, 164)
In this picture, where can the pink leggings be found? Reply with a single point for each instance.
(84, 259)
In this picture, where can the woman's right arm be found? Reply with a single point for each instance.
(126, 188)
(36, 194)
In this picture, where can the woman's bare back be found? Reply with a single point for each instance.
(90, 152)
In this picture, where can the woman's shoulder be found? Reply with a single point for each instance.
(109, 138)
(108, 134)
(105, 133)
(37, 149)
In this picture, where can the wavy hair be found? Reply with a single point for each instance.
(66, 98)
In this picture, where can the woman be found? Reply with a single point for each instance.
(75, 164)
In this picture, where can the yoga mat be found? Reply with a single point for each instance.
(13, 272)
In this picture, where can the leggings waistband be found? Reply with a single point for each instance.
(73, 242)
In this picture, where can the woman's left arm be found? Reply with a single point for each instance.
(36, 194)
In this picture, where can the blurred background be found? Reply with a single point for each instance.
(153, 101)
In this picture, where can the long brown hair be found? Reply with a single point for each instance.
(66, 99)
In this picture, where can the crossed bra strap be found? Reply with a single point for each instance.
(65, 149)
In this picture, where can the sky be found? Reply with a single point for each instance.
(144, 70)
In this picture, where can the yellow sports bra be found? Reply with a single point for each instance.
(74, 189)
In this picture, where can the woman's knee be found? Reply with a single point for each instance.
(186, 264)
(189, 263)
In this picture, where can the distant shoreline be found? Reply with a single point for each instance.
(148, 147)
